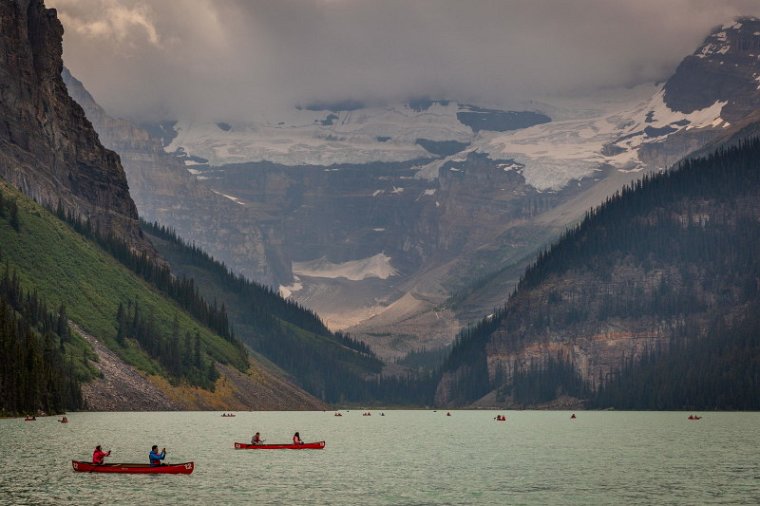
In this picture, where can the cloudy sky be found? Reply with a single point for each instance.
(230, 59)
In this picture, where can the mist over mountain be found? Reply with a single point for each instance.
(235, 60)
(405, 221)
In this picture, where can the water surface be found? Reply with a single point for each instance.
(405, 457)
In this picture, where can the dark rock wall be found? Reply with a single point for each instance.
(48, 148)
(166, 192)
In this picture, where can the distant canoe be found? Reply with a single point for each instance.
(89, 467)
(286, 446)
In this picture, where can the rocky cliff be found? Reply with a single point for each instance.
(166, 192)
(48, 148)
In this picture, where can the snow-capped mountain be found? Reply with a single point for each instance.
(326, 134)
(383, 212)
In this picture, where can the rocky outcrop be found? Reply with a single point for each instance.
(724, 68)
(166, 192)
(121, 387)
(48, 148)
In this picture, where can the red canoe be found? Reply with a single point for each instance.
(306, 446)
(89, 467)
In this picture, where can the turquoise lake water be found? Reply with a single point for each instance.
(405, 457)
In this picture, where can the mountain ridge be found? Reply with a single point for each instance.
(49, 148)
(653, 267)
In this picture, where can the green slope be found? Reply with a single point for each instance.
(330, 366)
(65, 268)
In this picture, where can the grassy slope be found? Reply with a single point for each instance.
(67, 269)
(212, 289)
(351, 365)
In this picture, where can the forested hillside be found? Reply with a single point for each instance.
(154, 321)
(330, 365)
(650, 302)
(43, 362)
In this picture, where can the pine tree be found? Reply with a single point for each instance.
(121, 321)
(62, 324)
(14, 215)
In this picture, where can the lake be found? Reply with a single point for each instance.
(405, 457)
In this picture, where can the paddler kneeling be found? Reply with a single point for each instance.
(256, 439)
(99, 455)
(155, 457)
(297, 439)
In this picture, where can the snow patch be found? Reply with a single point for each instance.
(300, 137)
(377, 266)
(507, 167)
(231, 197)
(429, 172)
(287, 291)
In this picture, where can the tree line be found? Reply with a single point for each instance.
(35, 374)
(332, 366)
(691, 236)
(182, 357)
(263, 299)
(182, 290)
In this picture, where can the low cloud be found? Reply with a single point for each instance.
(235, 59)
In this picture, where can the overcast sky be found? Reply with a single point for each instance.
(231, 59)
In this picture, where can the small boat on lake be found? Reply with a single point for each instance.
(285, 446)
(89, 467)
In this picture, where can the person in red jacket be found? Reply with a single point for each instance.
(98, 455)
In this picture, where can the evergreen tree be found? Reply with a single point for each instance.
(13, 206)
(121, 321)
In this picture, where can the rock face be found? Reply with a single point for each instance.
(402, 223)
(48, 148)
(667, 262)
(724, 68)
(122, 388)
(166, 192)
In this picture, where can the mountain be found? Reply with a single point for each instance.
(331, 366)
(48, 148)
(651, 302)
(292, 338)
(90, 314)
(679, 118)
(400, 223)
(132, 345)
(166, 192)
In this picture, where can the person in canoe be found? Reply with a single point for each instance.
(297, 439)
(256, 439)
(155, 457)
(98, 456)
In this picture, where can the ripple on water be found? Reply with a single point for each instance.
(406, 457)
